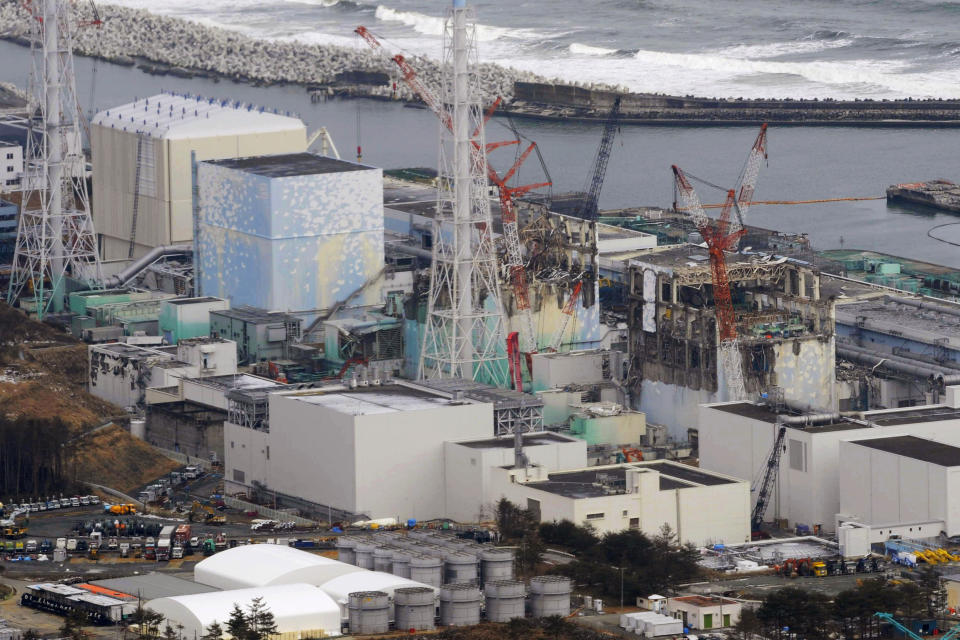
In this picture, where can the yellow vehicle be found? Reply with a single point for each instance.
(205, 513)
(819, 569)
(14, 532)
(123, 509)
(94, 552)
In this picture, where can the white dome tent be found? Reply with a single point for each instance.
(260, 565)
(301, 609)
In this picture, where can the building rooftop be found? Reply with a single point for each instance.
(938, 453)
(255, 315)
(762, 412)
(237, 381)
(373, 399)
(934, 323)
(173, 116)
(506, 442)
(704, 601)
(499, 398)
(150, 586)
(179, 301)
(286, 165)
(601, 481)
(912, 415)
(131, 351)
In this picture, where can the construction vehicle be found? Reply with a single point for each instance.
(205, 513)
(629, 455)
(125, 509)
(819, 568)
(766, 485)
(513, 359)
(14, 532)
(94, 552)
(589, 206)
(209, 547)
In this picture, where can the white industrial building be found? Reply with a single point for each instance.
(263, 565)
(470, 464)
(703, 613)
(376, 450)
(701, 507)
(737, 438)
(300, 610)
(11, 166)
(163, 131)
(901, 481)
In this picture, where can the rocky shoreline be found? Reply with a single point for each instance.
(167, 45)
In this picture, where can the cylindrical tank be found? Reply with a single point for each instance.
(460, 605)
(383, 559)
(505, 600)
(550, 596)
(369, 612)
(347, 550)
(401, 563)
(138, 428)
(496, 564)
(414, 609)
(459, 568)
(363, 554)
(426, 569)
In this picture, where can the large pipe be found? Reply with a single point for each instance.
(947, 380)
(870, 359)
(145, 261)
(935, 369)
(927, 306)
(808, 419)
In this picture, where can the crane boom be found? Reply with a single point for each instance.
(769, 478)
(748, 177)
(590, 206)
(567, 312)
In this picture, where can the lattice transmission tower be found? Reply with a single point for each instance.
(55, 236)
(464, 334)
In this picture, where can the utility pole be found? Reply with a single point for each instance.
(464, 335)
(55, 236)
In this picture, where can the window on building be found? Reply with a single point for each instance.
(634, 523)
(798, 455)
(268, 452)
(10, 168)
(595, 516)
(239, 476)
(426, 241)
(231, 444)
(9, 156)
(624, 513)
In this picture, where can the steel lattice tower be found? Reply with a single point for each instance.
(55, 235)
(464, 327)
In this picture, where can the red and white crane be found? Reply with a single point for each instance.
(507, 193)
(748, 177)
(719, 238)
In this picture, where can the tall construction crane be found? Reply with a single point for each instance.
(567, 315)
(747, 182)
(507, 193)
(719, 238)
(590, 205)
(769, 478)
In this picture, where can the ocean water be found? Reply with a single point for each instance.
(750, 48)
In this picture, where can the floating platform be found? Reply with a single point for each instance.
(938, 194)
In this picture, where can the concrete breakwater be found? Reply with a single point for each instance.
(184, 48)
(560, 102)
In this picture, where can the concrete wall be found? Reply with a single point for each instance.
(807, 377)
(884, 488)
(382, 465)
(165, 209)
(186, 427)
(672, 405)
(740, 446)
(179, 321)
(468, 471)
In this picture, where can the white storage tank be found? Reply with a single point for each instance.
(550, 596)
(347, 550)
(415, 609)
(383, 559)
(138, 428)
(426, 569)
(400, 565)
(460, 605)
(363, 557)
(506, 600)
(459, 568)
(496, 564)
(369, 612)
